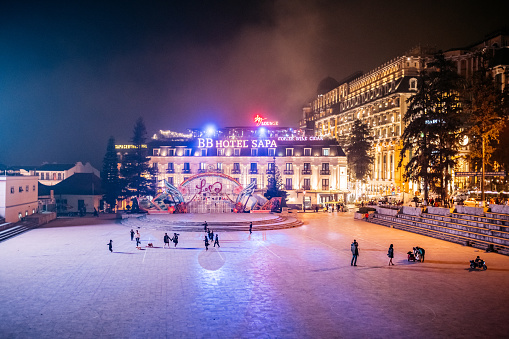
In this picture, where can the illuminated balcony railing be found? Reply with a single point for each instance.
(236, 171)
(170, 170)
(306, 172)
(186, 170)
(324, 172)
(306, 187)
(253, 171)
(288, 172)
(288, 187)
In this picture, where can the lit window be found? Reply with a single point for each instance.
(254, 152)
(204, 152)
(220, 152)
(187, 152)
(272, 152)
(236, 152)
(307, 152)
(289, 152)
(325, 152)
(12, 189)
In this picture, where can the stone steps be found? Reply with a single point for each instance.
(467, 235)
(13, 231)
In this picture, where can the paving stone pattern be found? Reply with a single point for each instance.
(62, 282)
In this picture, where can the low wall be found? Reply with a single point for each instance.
(470, 210)
(260, 211)
(501, 209)
(439, 211)
(42, 218)
(386, 211)
(358, 215)
(417, 211)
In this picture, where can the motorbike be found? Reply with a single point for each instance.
(478, 264)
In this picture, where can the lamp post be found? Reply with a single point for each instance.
(304, 201)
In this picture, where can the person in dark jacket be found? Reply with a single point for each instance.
(110, 246)
(175, 239)
(250, 227)
(166, 240)
(355, 252)
(390, 254)
(206, 243)
(132, 234)
(216, 241)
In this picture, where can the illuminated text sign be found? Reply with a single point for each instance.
(129, 146)
(260, 121)
(237, 143)
(299, 138)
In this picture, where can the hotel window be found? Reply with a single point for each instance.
(289, 152)
(254, 168)
(203, 167)
(325, 169)
(288, 185)
(325, 152)
(288, 168)
(220, 152)
(187, 152)
(156, 152)
(170, 180)
(307, 152)
(42, 176)
(272, 152)
(254, 152)
(204, 152)
(20, 189)
(12, 189)
(236, 168)
(155, 167)
(186, 169)
(27, 188)
(413, 84)
(33, 188)
(219, 167)
(47, 176)
(170, 168)
(325, 184)
(254, 180)
(171, 152)
(59, 176)
(236, 152)
(307, 184)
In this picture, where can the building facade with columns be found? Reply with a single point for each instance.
(312, 168)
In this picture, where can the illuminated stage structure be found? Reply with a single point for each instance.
(204, 193)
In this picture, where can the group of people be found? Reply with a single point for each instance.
(210, 236)
(419, 253)
(174, 239)
(354, 247)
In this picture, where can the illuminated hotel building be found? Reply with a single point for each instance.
(312, 168)
(378, 99)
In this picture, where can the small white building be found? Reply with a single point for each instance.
(18, 196)
(52, 174)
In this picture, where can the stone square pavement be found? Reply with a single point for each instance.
(62, 282)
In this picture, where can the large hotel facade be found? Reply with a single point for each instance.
(379, 99)
(312, 169)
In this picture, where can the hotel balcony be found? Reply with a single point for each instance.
(288, 172)
(186, 170)
(306, 188)
(269, 171)
(236, 171)
(288, 187)
(324, 172)
(306, 172)
(253, 171)
(325, 188)
(170, 170)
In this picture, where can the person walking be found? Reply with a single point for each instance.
(110, 246)
(175, 239)
(132, 234)
(138, 237)
(205, 226)
(206, 243)
(211, 234)
(166, 240)
(251, 227)
(216, 241)
(355, 252)
(421, 253)
(390, 254)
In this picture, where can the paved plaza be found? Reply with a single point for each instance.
(61, 281)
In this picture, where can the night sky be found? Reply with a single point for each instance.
(74, 73)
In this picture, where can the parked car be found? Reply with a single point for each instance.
(471, 202)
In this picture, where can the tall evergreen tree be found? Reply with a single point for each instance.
(432, 127)
(275, 187)
(109, 175)
(135, 168)
(358, 148)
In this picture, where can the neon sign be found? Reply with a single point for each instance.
(260, 121)
(237, 143)
(129, 146)
(299, 138)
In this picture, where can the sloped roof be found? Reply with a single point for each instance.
(55, 167)
(76, 184)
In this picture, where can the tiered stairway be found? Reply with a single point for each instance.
(480, 231)
(14, 229)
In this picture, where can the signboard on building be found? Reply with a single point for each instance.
(479, 174)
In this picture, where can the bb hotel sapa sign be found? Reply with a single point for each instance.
(237, 143)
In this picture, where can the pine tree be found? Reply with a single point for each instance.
(359, 151)
(432, 128)
(109, 175)
(135, 168)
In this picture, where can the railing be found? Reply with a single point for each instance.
(253, 171)
(186, 170)
(170, 170)
(306, 187)
(270, 171)
(288, 172)
(202, 170)
(236, 171)
(325, 188)
(288, 187)
(324, 172)
(306, 172)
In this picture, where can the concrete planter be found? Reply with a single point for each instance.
(501, 209)
(470, 210)
(439, 211)
(386, 211)
(417, 211)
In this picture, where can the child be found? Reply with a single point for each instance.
(110, 245)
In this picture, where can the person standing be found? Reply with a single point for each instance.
(110, 246)
(138, 237)
(216, 241)
(175, 239)
(355, 252)
(251, 227)
(205, 226)
(390, 254)
(132, 234)
(166, 240)
(206, 243)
